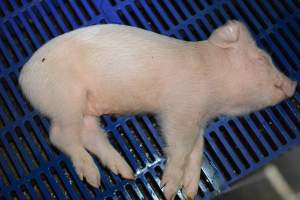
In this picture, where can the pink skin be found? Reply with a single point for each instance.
(119, 69)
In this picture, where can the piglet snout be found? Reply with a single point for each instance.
(289, 87)
(286, 85)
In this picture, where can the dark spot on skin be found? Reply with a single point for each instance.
(43, 59)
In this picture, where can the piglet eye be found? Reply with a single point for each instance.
(262, 60)
(277, 86)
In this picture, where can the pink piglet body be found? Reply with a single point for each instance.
(106, 69)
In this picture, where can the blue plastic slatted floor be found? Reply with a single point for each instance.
(31, 168)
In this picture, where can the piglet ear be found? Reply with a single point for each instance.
(227, 35)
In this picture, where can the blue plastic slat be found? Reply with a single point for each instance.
(24, 153)
(53, 12)
(47, 20)
(241, 146)
(249, 139)
(5, 53)
(287, 120)
(268, 129)
(11, 107)
(258, 135)
(281, 57)
(40, 184)
(216, 19)
(281, 7)
(295, 112)
(285, 47)
(162, 13)
(16, 94)
(105, 178)
(44, 145)
(6, 170)
(4, 9)
(173, 11)
(31, 191)
(12, 156)
(81, 186)
(245, 10)
(32, 146)
(200, 31)
(261, 13)
(29, 31)
(6, 34)
(131, 21)
(125, 149)
(38, 25)
(88, 8)
(67, 14)
(135, 144)
(141, 17)
(182, 7)
(77, 12)
(142, 135)
(66, 183)
(230, 151)
(22, 41)
(221, 156)
(52, 183)
(278, 124)
(148, 188)
(153, 131)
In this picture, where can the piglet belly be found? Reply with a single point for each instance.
(120, 102)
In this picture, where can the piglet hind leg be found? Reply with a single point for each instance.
(94, 139)
(66, 126)
(180, 134)
(65, 135)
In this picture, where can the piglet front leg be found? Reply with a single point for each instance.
(193, 168)
(180, 130)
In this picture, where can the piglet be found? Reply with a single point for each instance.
(103, 69)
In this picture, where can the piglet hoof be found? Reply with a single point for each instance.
(86, 168)
(171, 182)
(190, 185)
(191, 179)
(119, 166)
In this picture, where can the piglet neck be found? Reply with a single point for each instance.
(215, 69)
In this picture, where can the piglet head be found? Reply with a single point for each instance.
(252, 81)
